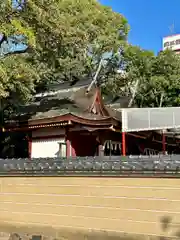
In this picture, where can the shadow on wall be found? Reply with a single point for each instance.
(169, 227)
(76, 236)
(93, 235)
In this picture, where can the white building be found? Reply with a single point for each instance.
(172, 42)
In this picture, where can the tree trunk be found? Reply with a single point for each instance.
(134, 93)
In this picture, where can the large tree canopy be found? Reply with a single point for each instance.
(162, 87)
(65, 41)
(56, 40)
(150, 81)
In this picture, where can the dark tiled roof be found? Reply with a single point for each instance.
(69, 85)
(63, 88)
(61, 100)
(117, 102)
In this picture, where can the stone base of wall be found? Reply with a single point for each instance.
(8, 232)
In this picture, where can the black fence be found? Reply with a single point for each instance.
(167, 166)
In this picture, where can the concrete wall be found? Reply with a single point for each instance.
(131, 205)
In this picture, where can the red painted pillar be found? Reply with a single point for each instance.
(163, 143)
(68, 144)
(68, 148)
(29, 146)
(123, 143)
(73, 152)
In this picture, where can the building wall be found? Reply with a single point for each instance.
(47, 148)
(48, 132)
(45, 142)
(131, 205)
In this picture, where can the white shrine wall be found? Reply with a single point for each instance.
(46, 143)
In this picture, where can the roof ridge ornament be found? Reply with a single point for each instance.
(97, 106)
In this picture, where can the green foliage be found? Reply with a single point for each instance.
(151, 81)
(66, 31)
(61, 36)
(136, 68)
(67, 40)
(162, 86)
(16, 76)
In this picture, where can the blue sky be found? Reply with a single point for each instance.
(149, 20)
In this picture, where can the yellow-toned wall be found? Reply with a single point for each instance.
(131, 205)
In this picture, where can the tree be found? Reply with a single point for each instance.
(149, 80)
(63, 37)
(162, 86)
(17, 73)
(135, 65)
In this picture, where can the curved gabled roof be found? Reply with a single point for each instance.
(65, 104)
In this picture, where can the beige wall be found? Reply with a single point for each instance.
(129, 205)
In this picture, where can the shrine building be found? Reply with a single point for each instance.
(68, 121)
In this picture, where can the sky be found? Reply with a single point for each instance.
(149, 20)
(17, 3)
